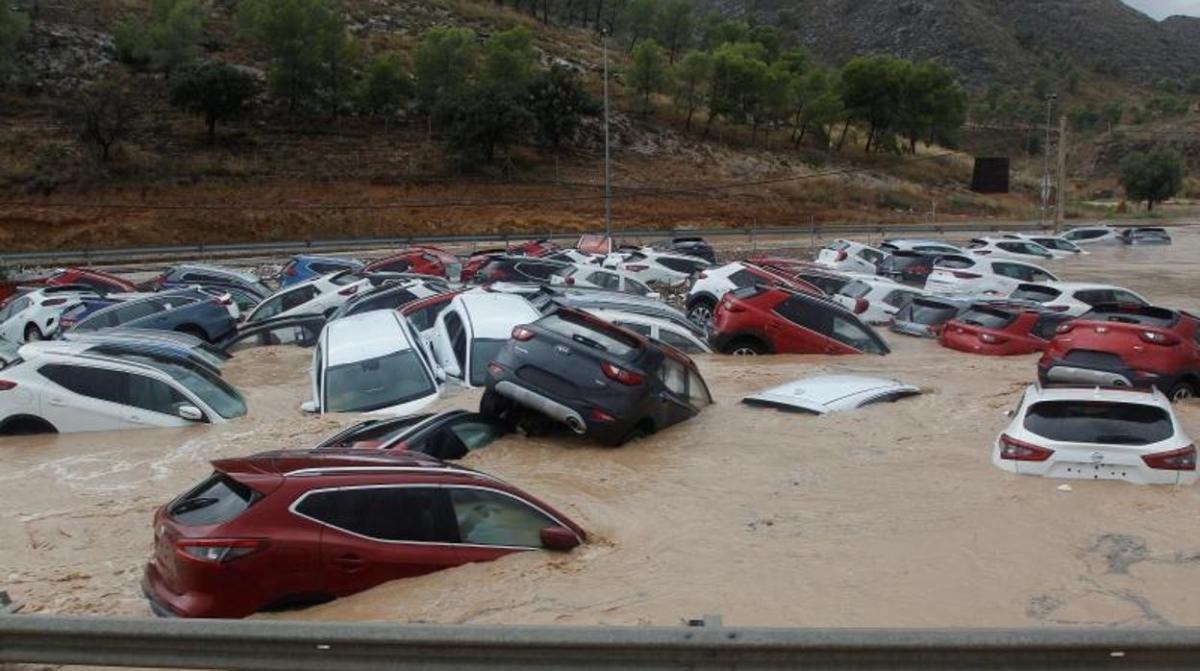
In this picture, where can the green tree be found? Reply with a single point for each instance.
(674, 27)
(735, 91)
(558, 103)
(103, 114)
(131, 42)
(444, 64)
(718, 32)
(647, 72)
(691, 77)
(13, 25)
(1111, 114)
(796, 60)
(934, 105)
(301, 36)
(817, 104)
(777, 96)
(217, 91)
(1152, 176)
(480, 119)
(167, 38)
(873, 91)
(638, 19)
(386, 84)
(509, 59)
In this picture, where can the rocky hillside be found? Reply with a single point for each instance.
(1008, 41)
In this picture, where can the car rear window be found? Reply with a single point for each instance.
(1134, 314)
(855, 289)
(1099, 422)
(838, 246)
(574, 328)
(1037, 294)
(217, 500)
(987, 317)
(929, 313)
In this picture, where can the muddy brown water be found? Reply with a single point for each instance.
(890, 516)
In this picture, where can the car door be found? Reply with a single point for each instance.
(449, 344)
(83, 398)
(374, 534)
(491, 523)
(457, 437)
(13, 327)
(151, 403)
(672, 400)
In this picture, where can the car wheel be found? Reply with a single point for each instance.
(1181, 391)
(747, 348)
(33, 333)
(493, 405)
(701, 312)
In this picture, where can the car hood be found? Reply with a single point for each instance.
(829, 393)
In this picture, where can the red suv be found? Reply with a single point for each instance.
(1000, 330)
(772, 320)
(281, 529)
(103, 283)
(419, 260)
(535, 248)
(1128, 346)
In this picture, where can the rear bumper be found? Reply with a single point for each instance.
(1062, 372)
(577, 417)
(1094, 465)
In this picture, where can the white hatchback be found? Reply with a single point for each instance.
(983, 277)
(593, 277)
(851, 257)
(1093, 235)
(1097, 434)
(653, 266)
(1008, 248)
(1060, 248)
(1075, 298)
(875, 300)
(323, 295)
(467, 335)
(34, 315)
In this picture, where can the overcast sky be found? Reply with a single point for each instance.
(1161, 9)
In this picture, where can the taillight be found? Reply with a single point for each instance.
(523, 334)
(601, 416)
(620, 374)
(349, 291)
(1016, 450)
(291, 271)
(702, 276)
(218, 550)
(1157, 338)
(861, 305)
(495, 369)
(965, 276)
(636, 268)
(1066, 327)
(570, 280)
(53, 302)
(991, 339)
(842, 255)
(5, 385)
(1183, 459)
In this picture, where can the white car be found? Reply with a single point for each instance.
(919, 245)
(371, 363)
(875, 300)
(1097, 434)
(653, 266)
(1007, 248)
(1093, 235)
(824, 394)
(467, 335)
(1075, 298)
(983, 277)
(59, 388)
(322, 295)
(687, 340)
(593, 277)
(1060, 248)
(852, 257)
(576, 256)
(712, 285)
(34, 315)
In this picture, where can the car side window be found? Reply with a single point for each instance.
(423, 319)
(633, 286)
(294, 299)
(475, 434)
(1120, 296)
(16, 307)
(743, 278)
(643, 329)
(128, 313)
(1013, 270)
(677, 341)
(97, 383)
(153, 395)
(797, 311)
(1036, 275)
(536, 271)
(846, 331)
(870, 255)
(605, 280)
(673, 376)
(1094, 297)
(389, 302)
(396, 514)
(489, 518)
(698, 391)
(397, 266)
(458, 337)
(1046, 326)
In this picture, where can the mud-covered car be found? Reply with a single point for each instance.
(593, 376)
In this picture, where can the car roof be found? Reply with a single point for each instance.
(334, 461)
(366, 335)
(225, 270)
(1075, 286)
(492, 313)
(1036, 393)
(827, 393)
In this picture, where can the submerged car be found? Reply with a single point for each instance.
(304, 268)
(689, 246)
(876, 300)
(299, 330)
(446, 435)
(193, 274)
(1093, 236)
(191, 311)
(471, 330)
(429, 261)
(1008, 248)
(832, 393)
(319, 296)
(1075, 298)
(925, 316)
(596, 378)
(1056, 245)
(100, 282)
(712, 285)
(983, 276)
(772, 320)
(34, 315)
(997, 329)
(388, 296)
(850, 256)
(1097, 434)
(1146, 235)
(289, 528)
(1127, 346)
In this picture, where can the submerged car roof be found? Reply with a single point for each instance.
(367, 335)
(830, 393)
(492, 314)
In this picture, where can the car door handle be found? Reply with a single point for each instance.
(349, 562)
(56, 401)
(136, 419)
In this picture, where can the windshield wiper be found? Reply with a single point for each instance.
(193, 504)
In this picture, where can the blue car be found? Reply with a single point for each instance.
(82, 311)
(190, 311)
(304, 268)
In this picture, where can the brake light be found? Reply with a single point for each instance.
(495, 369)
(920, 270)
(54, 301)
(1157, 338)
(569, 280)
(991, 339)
(1175, 460)
(621, 375)
(861, 305)
(731, 306)
(1016, 450)
(842, 255)
(218, 550)
(349, 291)
(5, 385)
(1065, 327)
(965, 275)
(523, 334)
(601, 416)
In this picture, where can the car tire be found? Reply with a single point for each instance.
(493, 405)
(746, 347)
(33, 333)
(701, 311)
(1182, 391)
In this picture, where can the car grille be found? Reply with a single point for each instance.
(1093, 359)
(547, 382)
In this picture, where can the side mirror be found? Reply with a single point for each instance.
(189, 412)
(309, 407)
(558, 538)
(439, 373)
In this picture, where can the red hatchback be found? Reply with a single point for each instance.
(999, 330)
(1127, 346)
(419, 260)
(772, 320)
(103, 283)
(282, 529)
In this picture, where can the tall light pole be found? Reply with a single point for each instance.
(1046, 155)
(607, 158)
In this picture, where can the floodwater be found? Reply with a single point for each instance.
(890, 516)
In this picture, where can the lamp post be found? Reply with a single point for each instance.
(607, 158)
(1046, 155)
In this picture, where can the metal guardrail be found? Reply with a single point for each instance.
(85, 256)
(300, 646)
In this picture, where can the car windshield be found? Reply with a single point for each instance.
(855, 289)
(573, 328)
(211, 389)
(1099, 422)
(217, 500)
(483, 352)
(371, 384)
(928, 312)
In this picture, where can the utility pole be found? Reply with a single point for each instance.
(1061, 198)
(1046, 168)
(607, 157)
